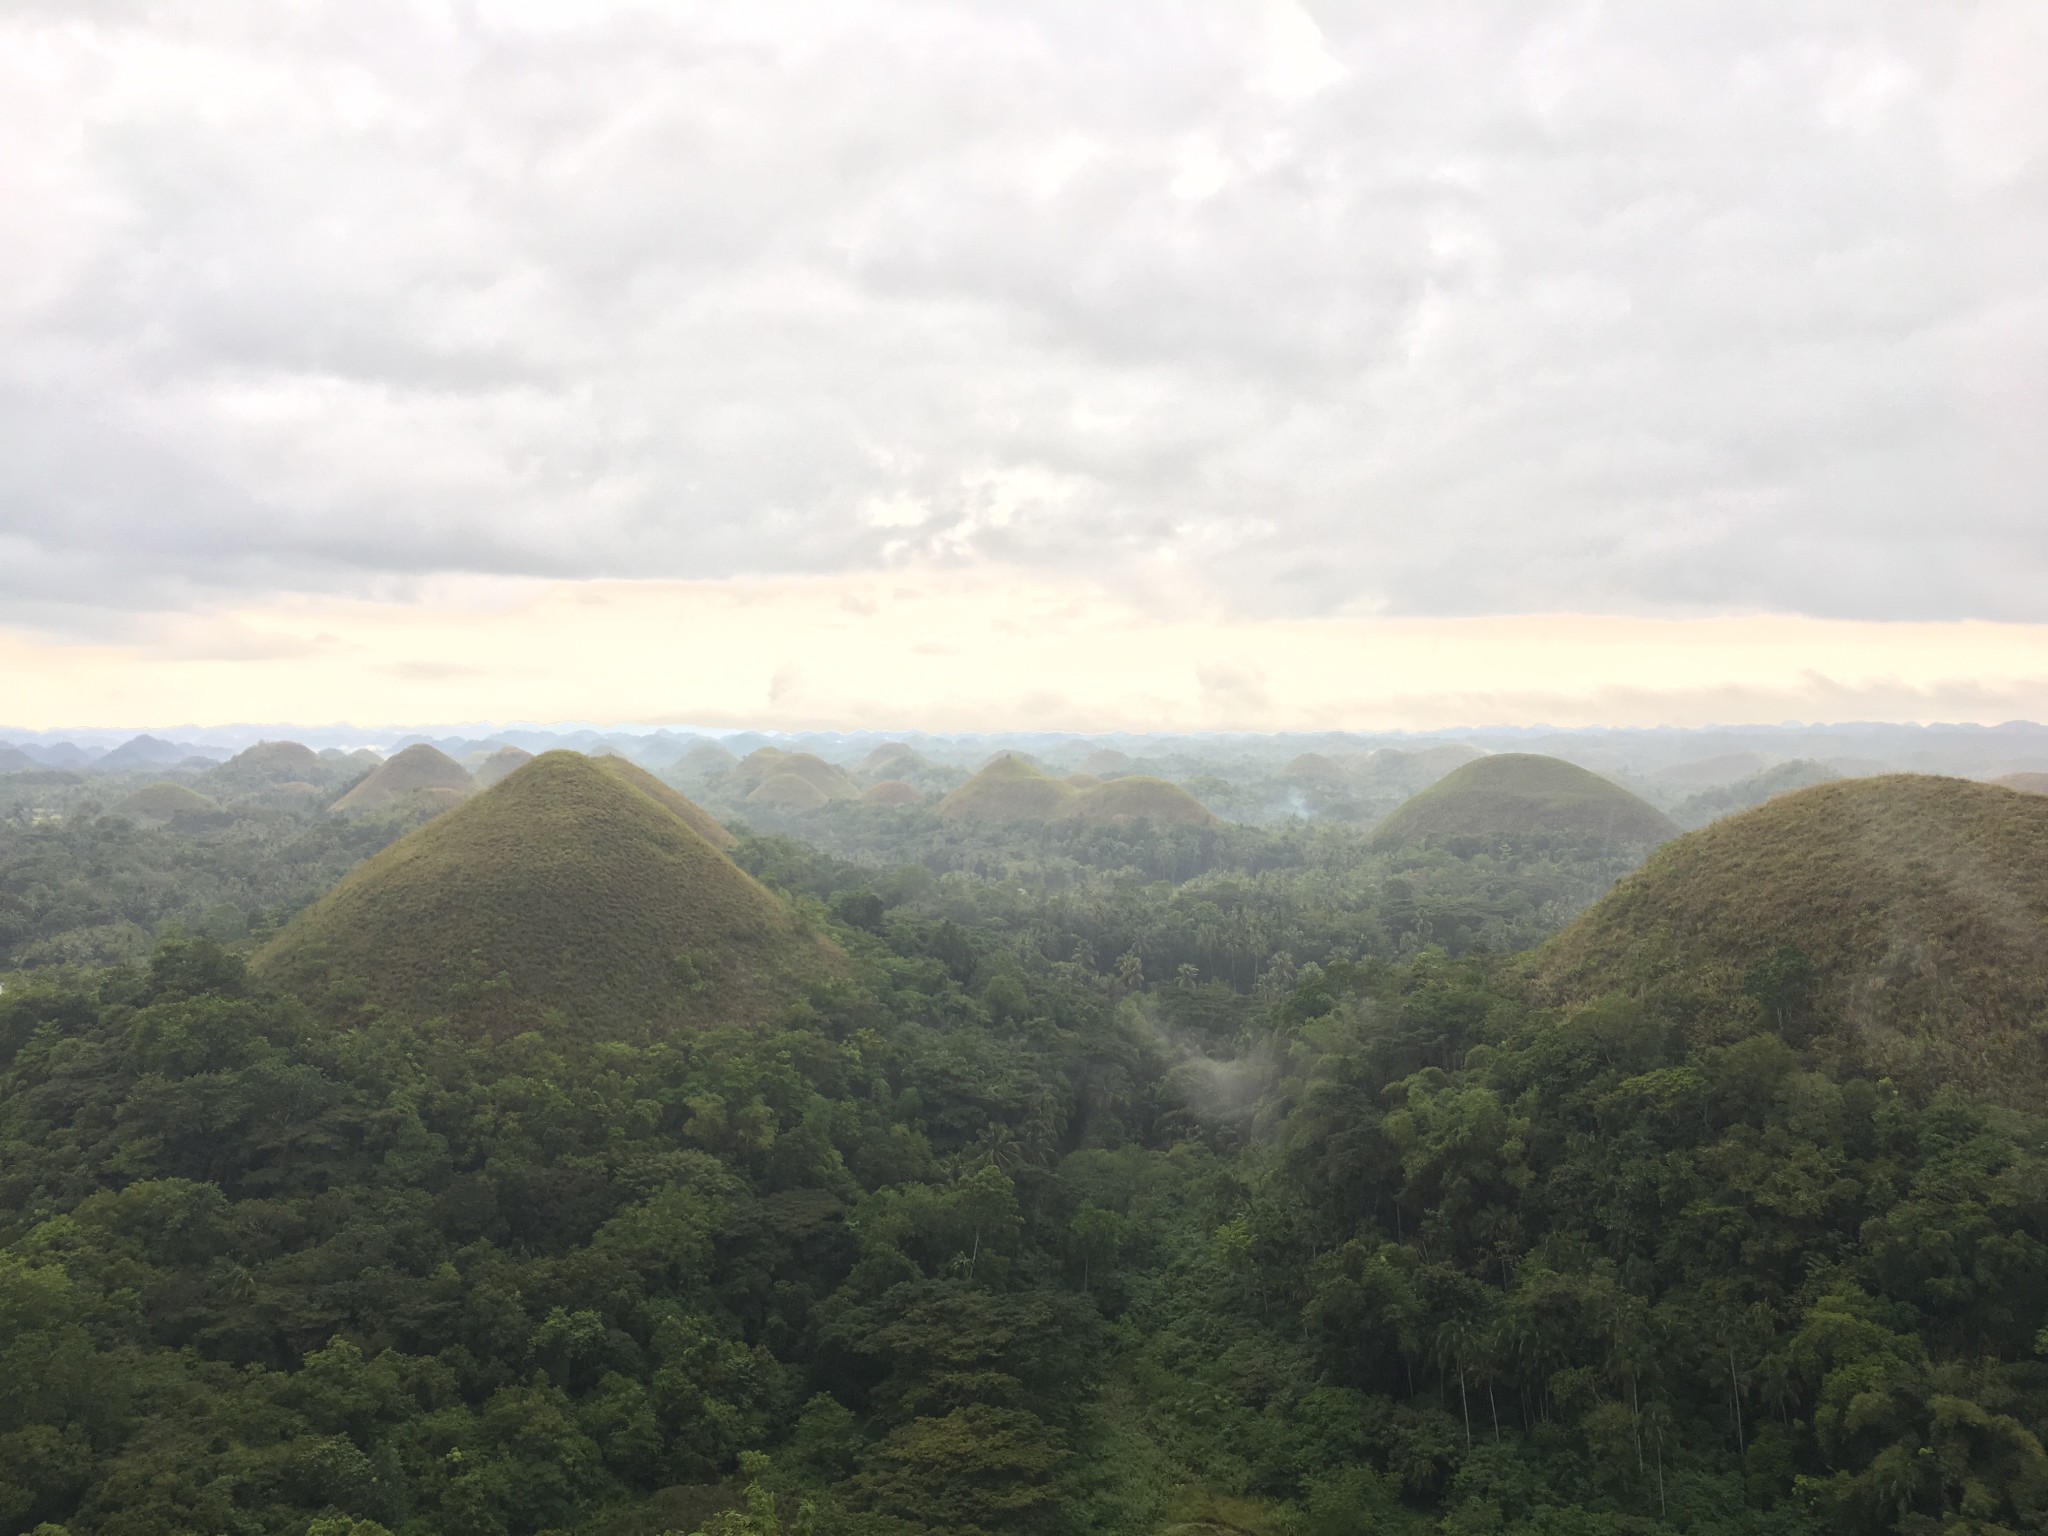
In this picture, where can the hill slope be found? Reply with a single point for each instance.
(1518, 794)
(1920, 903)
(155, 805)
(693, 815)
(1008, 789)
(1138, 798)
(499, 765)
(416, 771)
(2025, 783)
(562, 888)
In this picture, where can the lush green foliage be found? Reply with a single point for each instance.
(1072, 1205)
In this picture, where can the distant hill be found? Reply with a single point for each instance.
(1518, 794)
(2026, 783)
(892, 759)
(156, 805)
(143, 752)
(1134, 799)
(705, 761)
(562, 890)
(1104, 762)
(267, 765)
(788, 792)
(1920, 905)
(1009, 788)
(759, 766)
(499, 764)
(1314, 768)
(14, 760)
(1710, 772)
(1801, 773)
(890, 792)
(412, 773)
(693, 815)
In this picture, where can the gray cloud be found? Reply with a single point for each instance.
(1449, 309)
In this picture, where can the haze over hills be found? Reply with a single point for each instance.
(565, 889)
(1903, 919)
(1517, 794)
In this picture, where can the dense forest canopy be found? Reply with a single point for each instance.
(1123, 1178)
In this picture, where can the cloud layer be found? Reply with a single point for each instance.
(1341, 310)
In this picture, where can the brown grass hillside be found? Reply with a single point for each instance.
(1921, 904)
(1135, 799)
(562, 891)
(699, 820)
(1008, 789)
(1518, 794)
(417, 769)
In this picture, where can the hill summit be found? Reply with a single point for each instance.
(1519, 794)
(564, 890)
(1902, 922)
(421, 774)
(1009, 788)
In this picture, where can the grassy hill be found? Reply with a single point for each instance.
(707, 760)
(408, 777)
(564, 889)
(1800, 773)
(498, 765)
(766, 763)
(1518, 794)
(1139, 798)
(156, 805)
(890, 792)
(1008, 789)
(693, 815)
(267, 765)
(1920, 905)
(2025, 783)
(892, 759)
(788, 792)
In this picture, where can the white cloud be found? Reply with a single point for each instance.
(1336, 309)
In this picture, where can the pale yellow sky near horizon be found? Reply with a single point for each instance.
(954, 650)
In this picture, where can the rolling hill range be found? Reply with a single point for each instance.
(1902, 921)
(1518, 794)
(565, 890)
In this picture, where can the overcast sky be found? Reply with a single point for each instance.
(1257, 311)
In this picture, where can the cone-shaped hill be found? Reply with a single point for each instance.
(890, 760)
(1008, 789)
(563, 889)
(420, 774)
(267, 765)
(157, 805)
(501, 764)
(759, 767)
(1138, 798)
(1901, 922)
(890, 792)
(699, 820)
(1518, 794)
